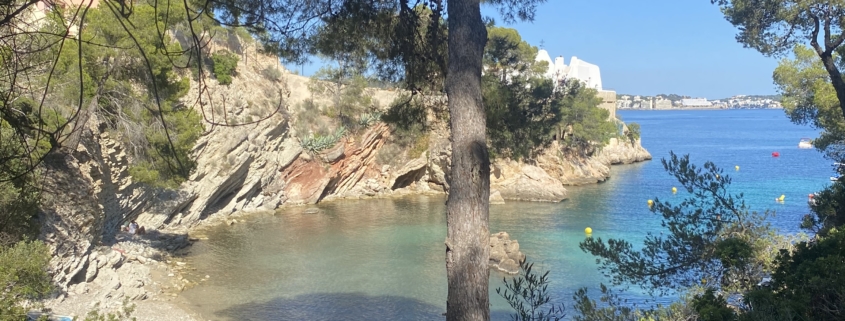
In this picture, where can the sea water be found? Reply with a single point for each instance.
(384, 259)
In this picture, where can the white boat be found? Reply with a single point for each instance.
(805, 143)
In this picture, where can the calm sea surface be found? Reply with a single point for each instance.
(384, 259)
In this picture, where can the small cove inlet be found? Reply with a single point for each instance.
(384, 259)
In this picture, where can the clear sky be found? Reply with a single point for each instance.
(648, 47)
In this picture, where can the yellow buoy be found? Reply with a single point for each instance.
(674, 190)
(650, 203)
(588, 230)
(782, 197)
(736, 167)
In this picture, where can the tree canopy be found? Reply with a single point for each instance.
(775, 27)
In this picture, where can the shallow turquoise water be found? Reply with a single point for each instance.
(383, 259)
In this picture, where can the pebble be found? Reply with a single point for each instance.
(170, 274)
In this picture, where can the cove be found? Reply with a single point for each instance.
(384, 259)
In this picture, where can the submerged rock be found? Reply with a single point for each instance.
(504, 253)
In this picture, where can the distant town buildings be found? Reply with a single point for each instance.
(695, 102)
(679, 102)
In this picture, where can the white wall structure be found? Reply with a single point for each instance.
(696, 102)
(586, 72)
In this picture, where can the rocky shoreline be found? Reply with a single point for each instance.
(246, 169)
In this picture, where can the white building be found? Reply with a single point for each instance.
(695, 102)
(586, 72)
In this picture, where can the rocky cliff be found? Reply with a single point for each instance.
(261, 165)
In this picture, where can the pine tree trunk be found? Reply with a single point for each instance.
(468, 237)
(835, 79)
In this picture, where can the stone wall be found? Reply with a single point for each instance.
(608, 101)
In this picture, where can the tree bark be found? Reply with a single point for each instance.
(835, 79)
(468, 236)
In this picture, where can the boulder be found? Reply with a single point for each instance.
(496, 198)
(623, 152)
(504, 253)
(523, 182)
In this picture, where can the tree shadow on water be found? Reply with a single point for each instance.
(335, 306)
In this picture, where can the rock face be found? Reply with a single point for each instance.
(523, 182)
(504, 253)
(623, 152)
(572, 169)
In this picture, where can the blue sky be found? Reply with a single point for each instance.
(648, 47)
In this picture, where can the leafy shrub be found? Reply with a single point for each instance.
(167, 161)
(272, 73)
(808, 284)
(528, 295)
(406, 113)
(633, 132)
(224, 66)
(589, 124)
(712, 307)
(420, 146)
(23, 276)
(19, 190)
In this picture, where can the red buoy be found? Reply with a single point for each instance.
(775, 154)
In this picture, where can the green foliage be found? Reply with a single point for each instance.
(522, 114)
(318, 142)
(348, 92)
(810, 282)
(368, 119)
(526, 111)
(225, 66)
(711, 237)
(272, 73)
(712, 307)
(506, 54)
(528, 295)
(633, 133)
(407, 113)
(828, 209)
(810, 99)
(586, 125)
(589, 310)
(132, 83)
(407, 118)
(774, 27)
(611, 307)
(19, 191)
(419, 147)
(23, 276)
(733, 252)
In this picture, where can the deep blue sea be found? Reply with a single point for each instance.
(384, 259)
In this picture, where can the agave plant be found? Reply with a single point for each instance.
(318, 142)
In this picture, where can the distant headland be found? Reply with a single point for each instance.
(673, 101)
